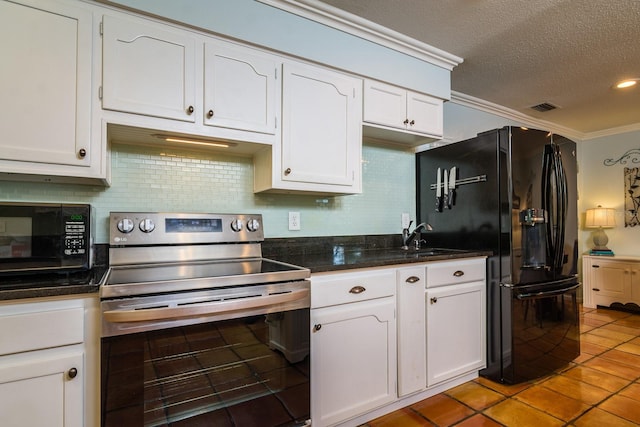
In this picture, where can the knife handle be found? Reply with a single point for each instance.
(438, 204)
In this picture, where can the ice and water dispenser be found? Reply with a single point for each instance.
(534, 242)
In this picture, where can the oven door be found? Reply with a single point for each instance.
(218, 366)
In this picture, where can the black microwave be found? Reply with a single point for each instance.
(44, 237)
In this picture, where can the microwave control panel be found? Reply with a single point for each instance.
(76, 232)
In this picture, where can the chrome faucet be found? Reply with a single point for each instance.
(408, 237)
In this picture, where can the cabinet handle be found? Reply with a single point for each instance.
(595, 289)
(190, 110)
(434, 300)
(459, 273)
(317, 327)
(406, 121)
(412, 279)
(209, 114)
(596, 266)
(72, 373)
(287, 171)
(82, 153)
(412, 122)
(357, 290)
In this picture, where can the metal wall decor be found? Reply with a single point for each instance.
(631, 196)
(632, 156)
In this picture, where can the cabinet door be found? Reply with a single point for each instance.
(611, 282)
(354, 359)
(148, 69)
(412, 375)
(425, 114)
(385, 104)
(240, 89)
(45, 81)
(39, 391)
(322, 126)
(455, 330)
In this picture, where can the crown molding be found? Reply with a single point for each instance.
(367, 30)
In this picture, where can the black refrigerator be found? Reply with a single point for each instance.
(513, 192)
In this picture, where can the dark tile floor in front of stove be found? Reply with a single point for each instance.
(600, 388)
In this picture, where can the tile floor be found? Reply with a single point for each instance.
(600, 388)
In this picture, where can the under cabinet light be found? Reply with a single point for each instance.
(193, 141)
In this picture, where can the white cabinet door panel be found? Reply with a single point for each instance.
(425, 114)
(354, 359)
(45, 81)
(39, 392)
(148, 69)
(455, 330)
(321, 126)
(240, 89)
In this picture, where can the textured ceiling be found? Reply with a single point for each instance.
(520, 53)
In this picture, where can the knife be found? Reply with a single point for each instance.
(438, 192)
(452, 187)
(445, 199)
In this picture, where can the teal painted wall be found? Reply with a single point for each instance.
(162, 179)
(263, 25)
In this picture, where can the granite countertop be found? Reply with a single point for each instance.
(318, 254)
(322, 254)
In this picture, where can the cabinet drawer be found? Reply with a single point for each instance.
(453, 272)
(34, 331)
(342, 288)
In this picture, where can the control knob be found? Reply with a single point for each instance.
(147, 225)
(237, 224)
(253, 225)
(125, 225)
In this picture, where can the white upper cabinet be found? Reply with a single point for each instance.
(148, 69)
(45, 81)
(240, 88)
(399, 115)
(321, 134)
(180, 82)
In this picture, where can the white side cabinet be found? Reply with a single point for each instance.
(321, 134)
(455, 301)
(412, 358)
(388, 106)
(45, 81)
(353, 344)
(48, 376)
(610, 280)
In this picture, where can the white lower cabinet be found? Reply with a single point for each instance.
(42, 389)
(48, 368)
(455, 331)
(353, 344)
(455, 301)
(610, 280)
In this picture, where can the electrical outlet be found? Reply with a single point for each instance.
(406, 219)
(294, 221)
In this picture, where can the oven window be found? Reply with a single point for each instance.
(252, 371)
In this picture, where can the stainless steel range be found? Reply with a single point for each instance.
(198, 328)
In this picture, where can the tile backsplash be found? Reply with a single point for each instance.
(172, 179)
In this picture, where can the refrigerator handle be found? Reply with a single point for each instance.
(546, 294)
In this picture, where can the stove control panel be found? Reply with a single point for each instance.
(153, 228)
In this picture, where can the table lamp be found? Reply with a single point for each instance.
(600, 218)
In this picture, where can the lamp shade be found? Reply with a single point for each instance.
(600, 217)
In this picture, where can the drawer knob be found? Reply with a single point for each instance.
(434, 300)
(357, 290)
(209, 114)
(412, 279)
(73, 372)
(190, 110)
(459, 273)
(317, 327)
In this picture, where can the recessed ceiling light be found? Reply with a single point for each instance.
(626, 83)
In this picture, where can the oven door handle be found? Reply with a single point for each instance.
(205, 308)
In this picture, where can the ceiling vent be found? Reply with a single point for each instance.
(545, 106)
